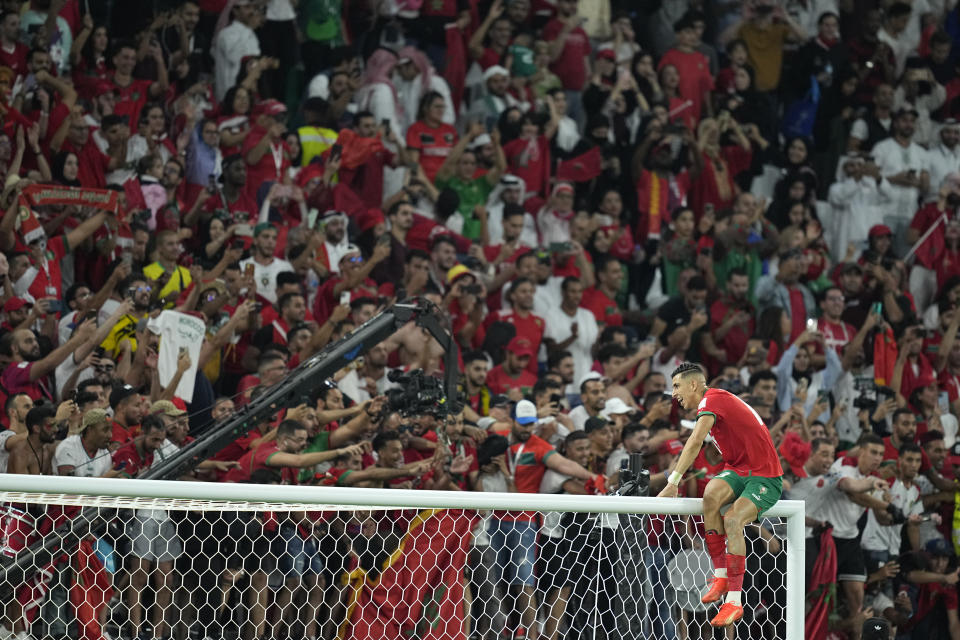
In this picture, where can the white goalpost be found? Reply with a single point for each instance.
(98, 559)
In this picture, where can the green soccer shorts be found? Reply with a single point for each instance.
(760, 490)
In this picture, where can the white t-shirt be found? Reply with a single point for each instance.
(891, 159)
(557, 328)
(266, 276)
(579, 417)
(65, 369)
(70, 452)
(812, 490)
(552, 482)
(878, 537)
(837, 507)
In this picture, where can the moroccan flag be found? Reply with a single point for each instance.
(884, 357)
(455, 71)
(90, 591)
(582, 168)
(822, 595)
(419, 591)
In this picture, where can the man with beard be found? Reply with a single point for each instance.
(17, 406)
(32, 455)
(27, 371)
(370, 380)
(521, 316)
(390, 269)
(293, 311)
(475, 368)
(443, 257)
(265, 265)
(509, 192)
(593, 396)
(335, 243)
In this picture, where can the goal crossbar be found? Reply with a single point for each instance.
(173, 495)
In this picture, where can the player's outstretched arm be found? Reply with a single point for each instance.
(690, 450)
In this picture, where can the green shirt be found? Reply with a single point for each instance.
(472, 193)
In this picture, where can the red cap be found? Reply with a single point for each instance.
(270, 107)
(15, 303)
(880, 230)
(672, 447)
(796, 452)
(520, 346)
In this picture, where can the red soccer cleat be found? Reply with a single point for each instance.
(718, 589)
(729, 613)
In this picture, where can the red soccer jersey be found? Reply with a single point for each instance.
(272, 166)
(49, 281)
(570, 66)
(499, 382)
(16, 59)
(740, 435)
(258, 459)
(530, 327)
(695, 79)
(527, 462)
(836, 334)
(93, 164)
(434, 145)
(131, 99)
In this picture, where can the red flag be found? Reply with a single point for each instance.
(584, 167)
(90, 592)
(931, 245)
(884, 357)
(823, 588)
(455, 73)
(419, 592)
(32, 593)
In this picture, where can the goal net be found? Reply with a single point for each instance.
(96, 559)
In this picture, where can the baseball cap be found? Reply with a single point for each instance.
(953, 455)
(875, 629)
(520, 346)
(594, 424)
(167, 408)
(672, 447)
(263, 226)
(590, 375)
(615, 407)
(14, 304)
(938, 547)
(879, 230)
(525, 412)
(120, 394)
(93, 416)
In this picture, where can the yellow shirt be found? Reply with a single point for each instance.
(765, 48)
(125, 329)
(179, 280)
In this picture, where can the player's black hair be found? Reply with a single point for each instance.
(687, 369)
(382, 438)
(290, 427)
(910, 447)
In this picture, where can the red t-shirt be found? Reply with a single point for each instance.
(603, 308)
(499, 382)
(434, 145)
(324, 303)
(530, 327)
(122, 434)
(569, 67)
(916, 373)
(272, 167)
(16, 379)
(695, 79)
(130, 99)
(16, 59)
(836, 335)
(798, 313)
(740, 434)
(133, 462)
(258, 459)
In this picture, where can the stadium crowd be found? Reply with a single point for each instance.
(592, 192)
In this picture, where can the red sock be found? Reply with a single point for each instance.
(736, 566)
(717, 548)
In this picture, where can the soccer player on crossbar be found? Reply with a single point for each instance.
(751, 480)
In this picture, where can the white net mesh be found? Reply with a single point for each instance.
(103, 567)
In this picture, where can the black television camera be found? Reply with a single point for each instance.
(634, 479)
(417, 394)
